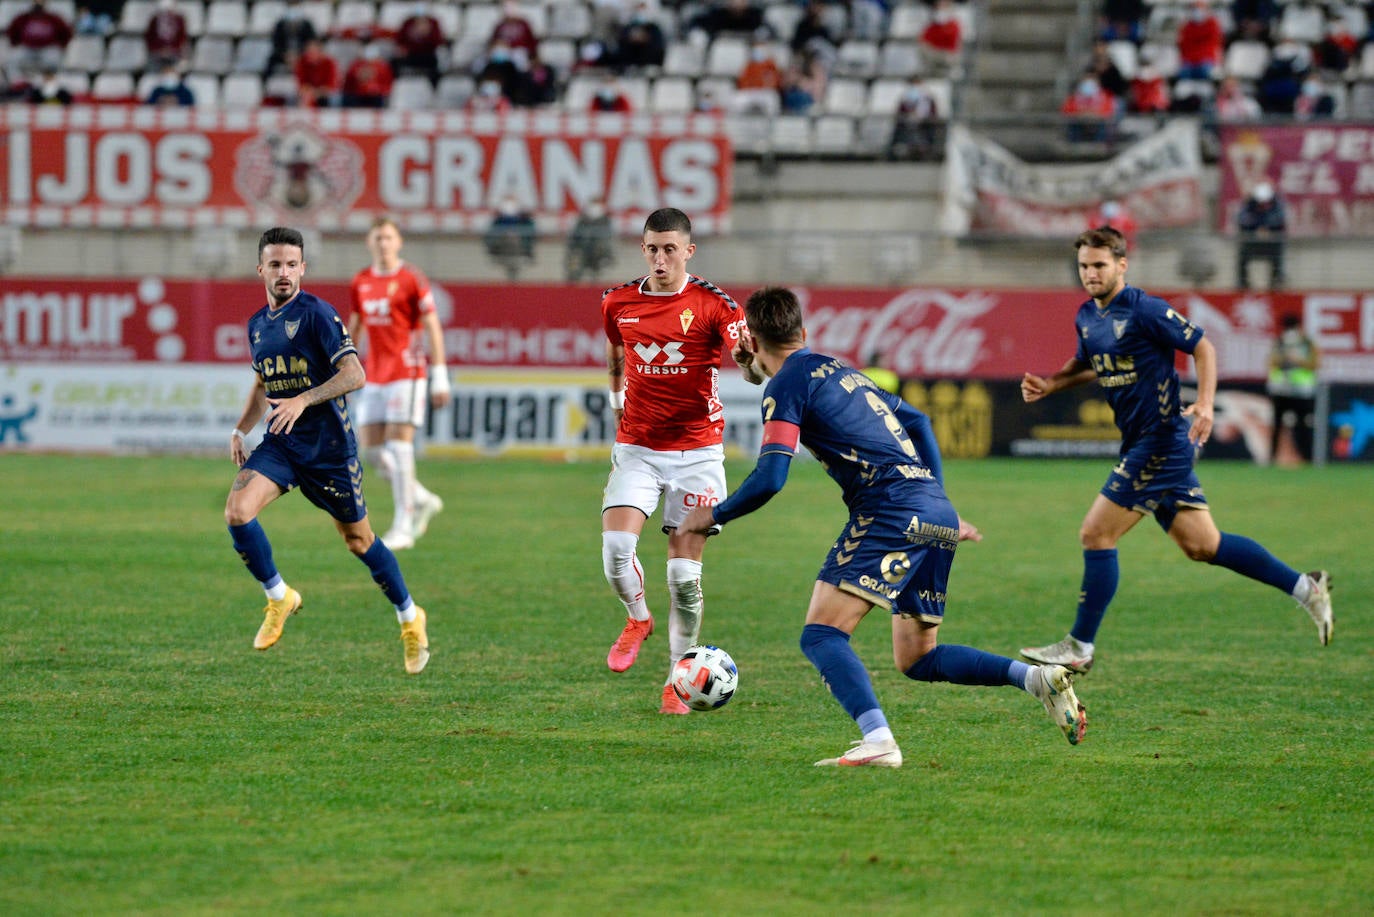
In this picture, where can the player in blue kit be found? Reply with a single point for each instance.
(305, 364)
(1126, 341)
(898, 546)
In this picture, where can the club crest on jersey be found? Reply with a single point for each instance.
(1119, 328)
(686, 318)
(292, 328)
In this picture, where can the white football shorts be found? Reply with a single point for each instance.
(392, 402)
(640, 477)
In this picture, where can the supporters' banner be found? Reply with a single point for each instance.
(1323, 172)
(919, 333)
(988, 190)
(138, 166)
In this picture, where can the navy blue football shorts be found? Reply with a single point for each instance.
(335, 487)
(898, 557)
(1156, 479)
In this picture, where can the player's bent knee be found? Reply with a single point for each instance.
(617, 553)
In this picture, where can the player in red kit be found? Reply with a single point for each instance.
(665, 334)
(394, 308)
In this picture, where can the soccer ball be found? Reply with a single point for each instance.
(705, 678)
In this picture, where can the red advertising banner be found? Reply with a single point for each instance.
(1323, 173)
(921, 332)
(131, 166)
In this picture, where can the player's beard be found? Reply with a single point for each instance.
(278, 298)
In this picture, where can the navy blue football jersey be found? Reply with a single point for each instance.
(1131, 345)
(848, 423)
(295, 349)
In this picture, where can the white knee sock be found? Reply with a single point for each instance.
(684, 611)
(402, 482)
(623, 571)
(379, 459)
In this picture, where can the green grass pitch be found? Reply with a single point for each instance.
(151, 762)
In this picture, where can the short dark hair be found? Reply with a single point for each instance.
(281, 235)
(668, 219)
(1102, 237)
(774, 316)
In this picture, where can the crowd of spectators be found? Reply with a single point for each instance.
(788, 68)
(1230, 61)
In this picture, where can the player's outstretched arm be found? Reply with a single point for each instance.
(1073, 374)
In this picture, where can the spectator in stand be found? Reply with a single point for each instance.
(1114, 214)
(1337, 49)
(513, 30)
(590, 242)
(609, 98)
(289, 38)
(1263, 227)
(166, 37)
(760, 82)
(1281, 82)
(1200, 41)
(1121, 20)
(38, 38)
(1315, 102)
(1108, 75)
(488, 98)
(641, 42)
(367, 84)
(915, 131)
(418, 41)
(171, 91)
(942, 38)
(509, 239)
(317, 77)
(499, 64)
(1149, 93)
(812, 27)
(48, 91)
(1252, 18)
(804, 82)
(735, 17)
(537, 83)
(98, 17)
(1090, 111)
(1234, 105)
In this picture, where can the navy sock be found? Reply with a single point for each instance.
(252, 544)
(1100, 576)
(829, 651)
(963, 665)
(1249, 558)
(386, 573)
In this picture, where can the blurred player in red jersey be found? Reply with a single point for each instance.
(392, 304)
(665, 333)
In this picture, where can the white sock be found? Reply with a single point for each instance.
(407, 614)
(881, 734)
(621, 566)
(379, 460)
(402, 483)
(685, 605)
(1303, 590)
(276, 593)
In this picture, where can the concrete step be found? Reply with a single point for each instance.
(1036, 68)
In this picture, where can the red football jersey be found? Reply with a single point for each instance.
(673, 344)
(391, 306)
